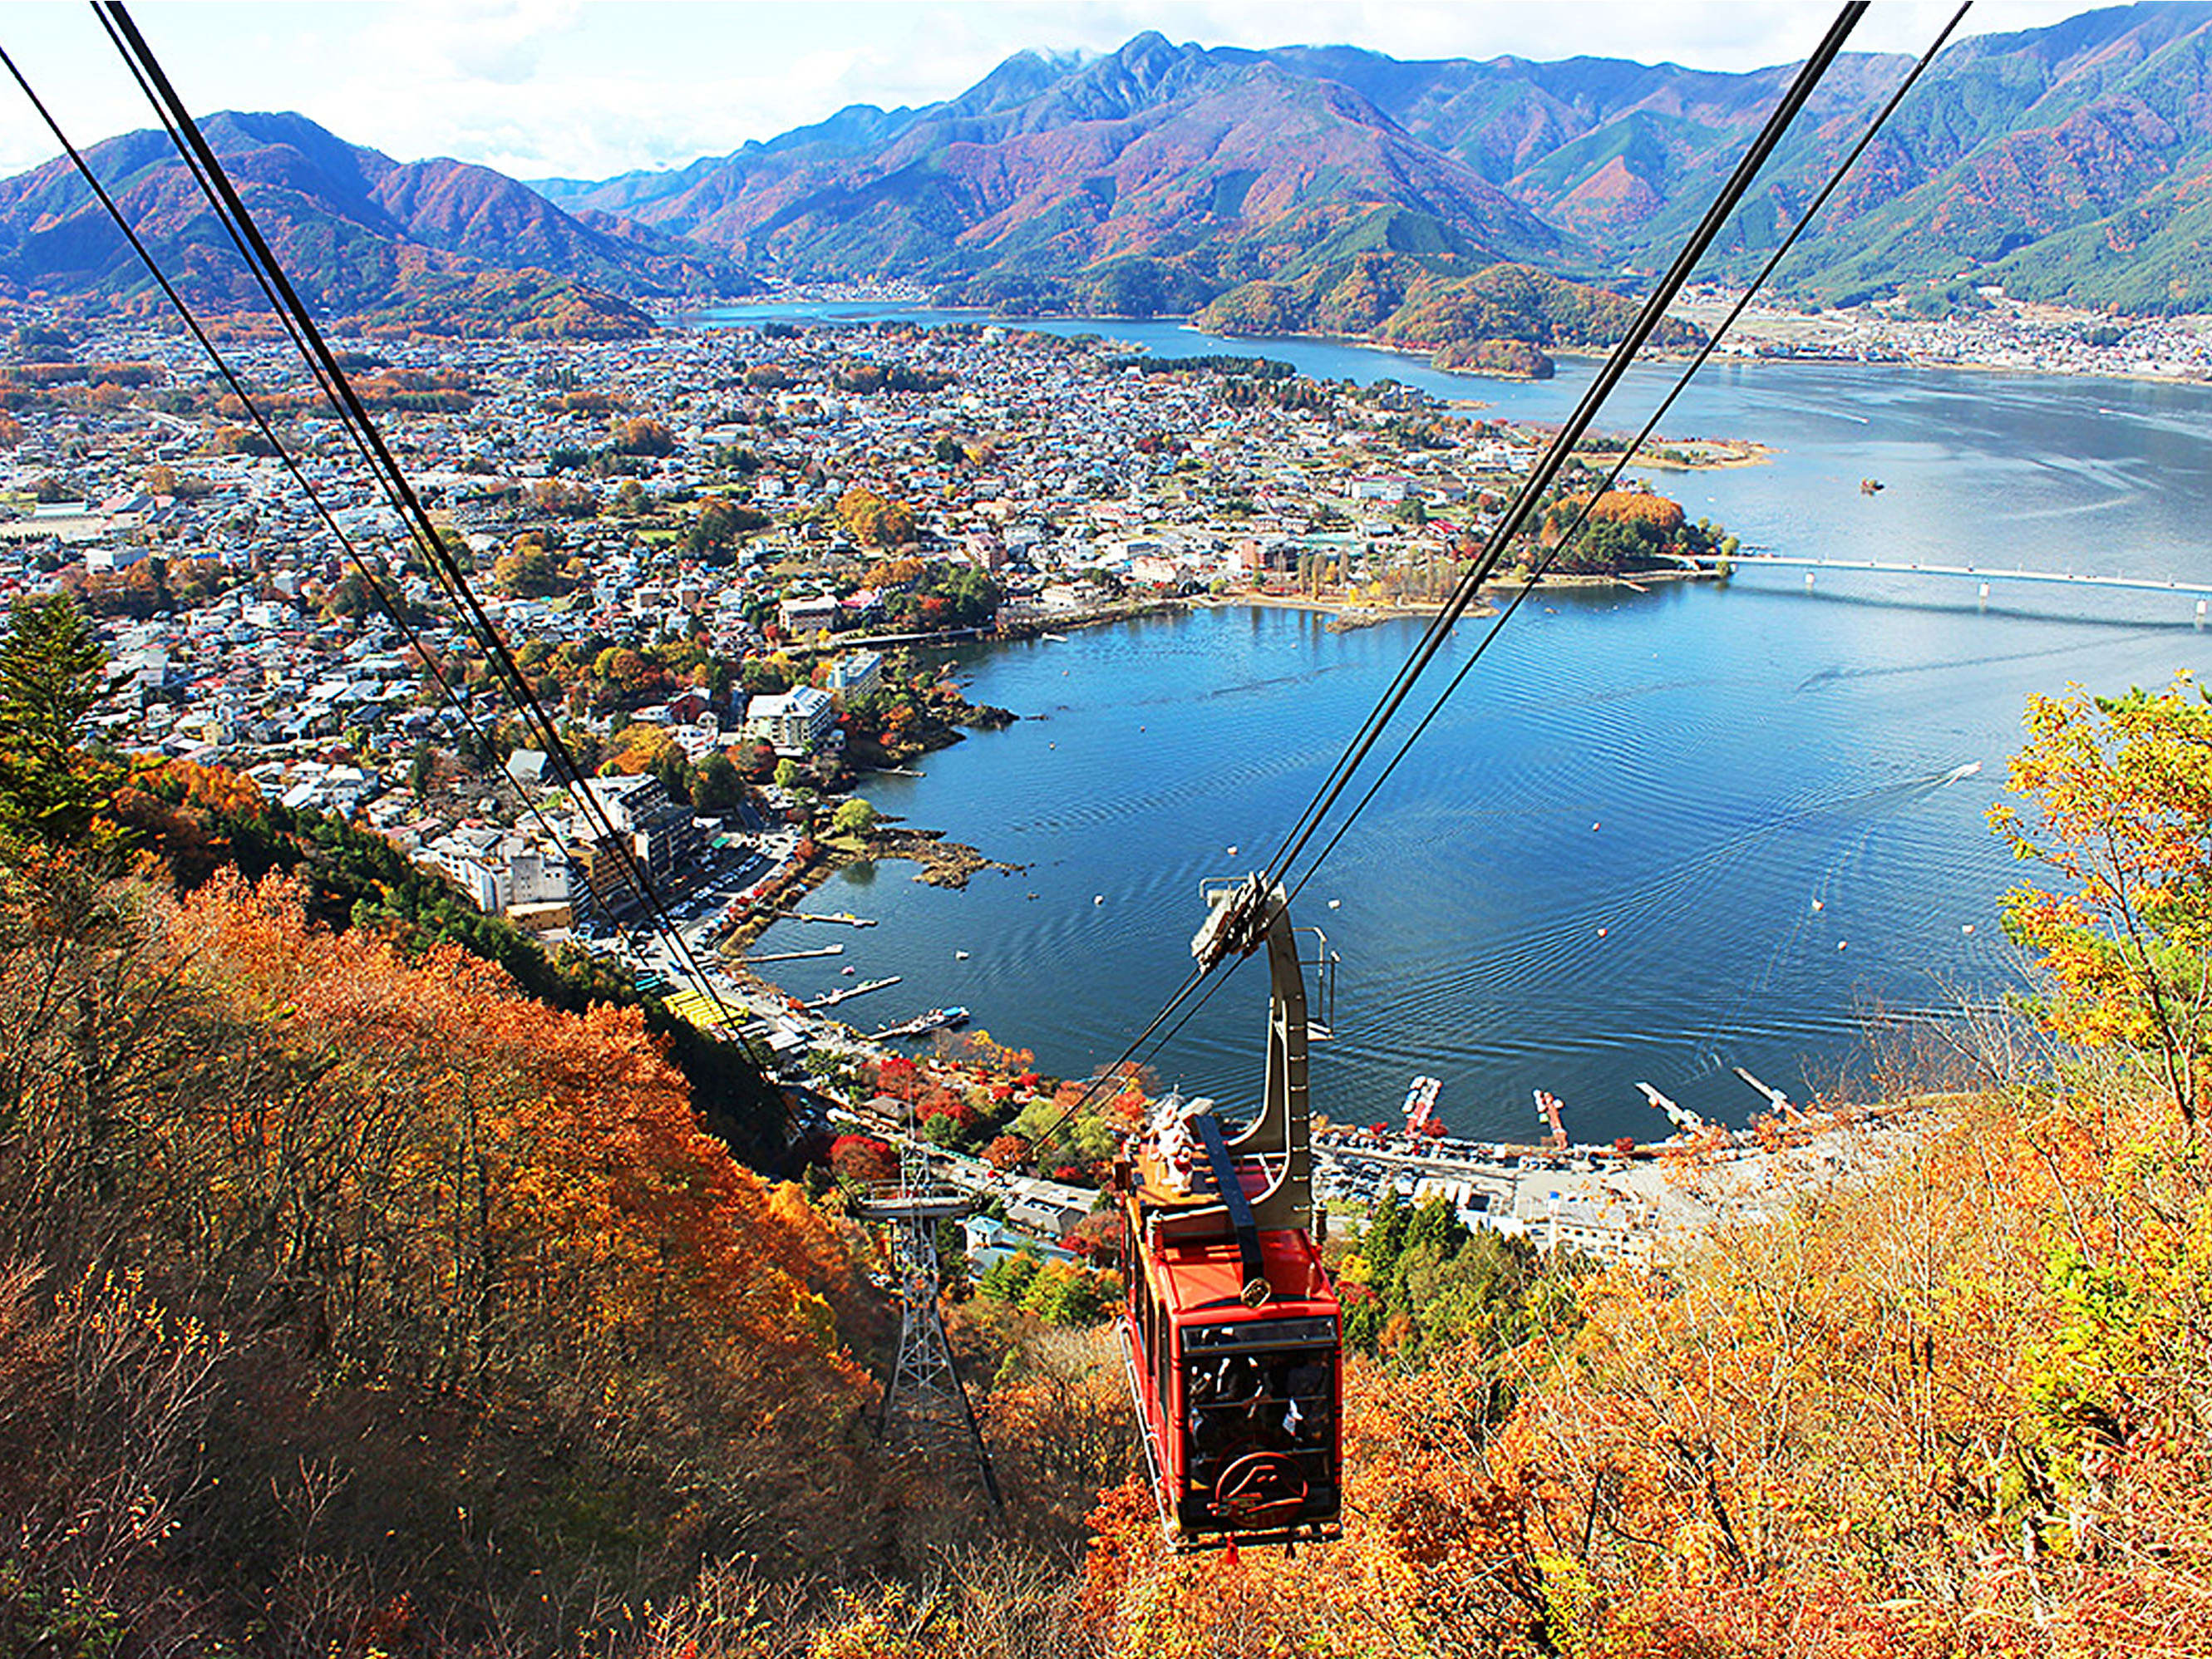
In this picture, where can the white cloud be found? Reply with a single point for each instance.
(500, 41)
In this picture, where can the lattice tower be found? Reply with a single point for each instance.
(924, 1398)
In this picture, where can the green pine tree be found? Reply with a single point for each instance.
(52, 673)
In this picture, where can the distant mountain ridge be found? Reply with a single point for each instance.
(436, 246)
(2072, 162)
(1160, 174)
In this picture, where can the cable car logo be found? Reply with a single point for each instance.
(1259, 1487)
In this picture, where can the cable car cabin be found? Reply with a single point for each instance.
(1240, 1404)
(1231, 1333)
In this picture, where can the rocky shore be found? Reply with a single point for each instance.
(943, 863)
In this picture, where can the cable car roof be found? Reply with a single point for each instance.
(1209, 1275)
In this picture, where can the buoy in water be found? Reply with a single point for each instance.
(1101, 899)
(1336, 904)
(1593, 826)
(1817, 905)
(1841, 943)
(1966, 927)
(1600, 933)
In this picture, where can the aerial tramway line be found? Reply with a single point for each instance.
(1233, 1333)
(1232, 1330)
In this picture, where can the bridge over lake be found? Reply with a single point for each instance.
(1984, 575)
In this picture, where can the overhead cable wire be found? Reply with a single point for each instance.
(1724, 204)
(394, 610)
(222, 195)
(1716, 216)
(1836, 178)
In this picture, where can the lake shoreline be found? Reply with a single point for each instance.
(1782, 328)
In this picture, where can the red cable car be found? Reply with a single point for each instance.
(1231, 1335)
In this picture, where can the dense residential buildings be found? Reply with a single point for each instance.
(771, 509)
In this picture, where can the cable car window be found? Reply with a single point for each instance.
(1151, 1323)
(1255, 1334)
(1162, 1361)
(1239, 1403)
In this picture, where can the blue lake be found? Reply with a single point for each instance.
(1654, 836)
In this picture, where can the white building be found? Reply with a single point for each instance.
(791, 721)
(1378, 489)
(856, 673)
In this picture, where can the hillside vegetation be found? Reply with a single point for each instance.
(435, 247)
(1498, 320)
(354, 1301)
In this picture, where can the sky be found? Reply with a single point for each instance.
(589, 88)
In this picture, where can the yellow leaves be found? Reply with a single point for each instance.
(2122, 792)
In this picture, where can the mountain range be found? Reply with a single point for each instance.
(436, 246)
(2072, 162)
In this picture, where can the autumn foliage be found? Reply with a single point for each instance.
(873, 520)
(269, 1191)
(1639, 506)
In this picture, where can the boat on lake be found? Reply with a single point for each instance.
(936, 1019)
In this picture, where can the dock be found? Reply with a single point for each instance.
(799, 956)
(830, 1000)
(844, 916)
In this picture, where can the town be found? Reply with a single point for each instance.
(718, 549)
(720, 557)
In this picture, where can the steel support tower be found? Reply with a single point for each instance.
(924, 1397)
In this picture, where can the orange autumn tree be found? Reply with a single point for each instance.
(875, 520)
(1635, 507)
(501, 1187)
(388, 1226)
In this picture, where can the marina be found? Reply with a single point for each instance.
(1618, 1202)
